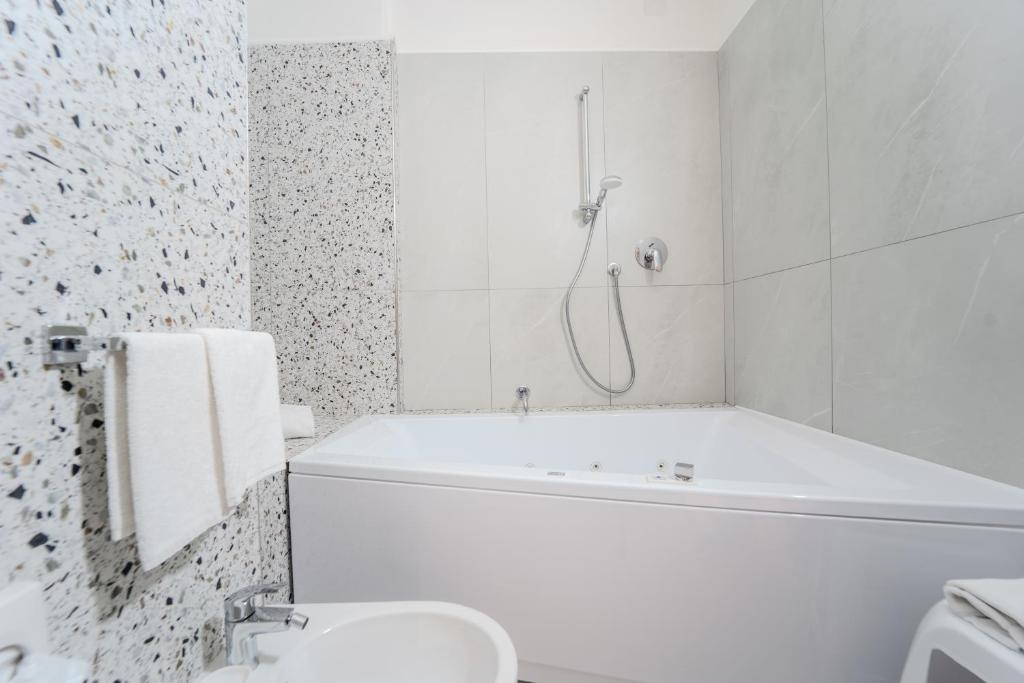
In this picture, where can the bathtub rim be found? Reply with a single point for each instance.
(721, 494)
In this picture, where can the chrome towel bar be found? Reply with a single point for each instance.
(71, 344)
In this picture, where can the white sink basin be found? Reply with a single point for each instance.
(388, 642)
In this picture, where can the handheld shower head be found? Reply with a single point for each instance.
(609, 182)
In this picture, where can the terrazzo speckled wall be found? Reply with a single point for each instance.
(322, 214)
(124, 191)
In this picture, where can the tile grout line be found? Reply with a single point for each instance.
(732, 250)
(944, 231)
(828, 199)
(562, 287)
(487, 236)
(870, 249)
(721, 160)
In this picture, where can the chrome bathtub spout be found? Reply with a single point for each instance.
(244, 620)
(523, 396)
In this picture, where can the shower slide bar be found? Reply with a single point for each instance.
(587, 204)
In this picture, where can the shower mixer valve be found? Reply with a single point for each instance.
(651, 253)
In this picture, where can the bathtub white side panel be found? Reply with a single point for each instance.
(639, 591)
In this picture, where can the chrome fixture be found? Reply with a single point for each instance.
(590, 211)
(651, 254)
(523, 396)
(586, 206)
(683, 471)
(71, 344)
(244, 620)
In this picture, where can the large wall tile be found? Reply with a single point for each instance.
(783, 361)
(442, 202)
(530, 346)
(535, 236)
(925, 127)
(661, 136)
(445, 350)
(677, 339)
(928, 337)
(778, 137)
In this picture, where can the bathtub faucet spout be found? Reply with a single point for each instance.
(523, 396)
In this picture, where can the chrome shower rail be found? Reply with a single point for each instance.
(586, 203)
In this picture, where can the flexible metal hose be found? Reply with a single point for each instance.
(618, 305)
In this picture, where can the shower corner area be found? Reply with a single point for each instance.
(491, 182)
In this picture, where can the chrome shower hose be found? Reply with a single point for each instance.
(614, 272)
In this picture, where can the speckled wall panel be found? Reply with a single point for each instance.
(123, 190)
(323, 221)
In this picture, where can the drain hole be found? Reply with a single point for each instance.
(595, 467)
(662, 465)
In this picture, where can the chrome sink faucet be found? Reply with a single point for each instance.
(244, 620)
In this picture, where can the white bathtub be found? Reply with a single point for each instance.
(794, 556)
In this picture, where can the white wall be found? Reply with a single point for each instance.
(502, 25)
(316, 21)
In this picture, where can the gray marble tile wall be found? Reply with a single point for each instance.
(488, 241)
(322, 214)
(872, 174)
(124, 191)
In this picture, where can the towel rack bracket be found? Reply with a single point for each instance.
(71, 344)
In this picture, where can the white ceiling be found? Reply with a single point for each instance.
(502, 25)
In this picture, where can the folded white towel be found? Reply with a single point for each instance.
(995, 606)
(115, 409)
(175, 478)
(297, 421)
(243, 370)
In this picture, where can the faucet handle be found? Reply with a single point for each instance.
(651, 253)
(241, 604)
(297, 620)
